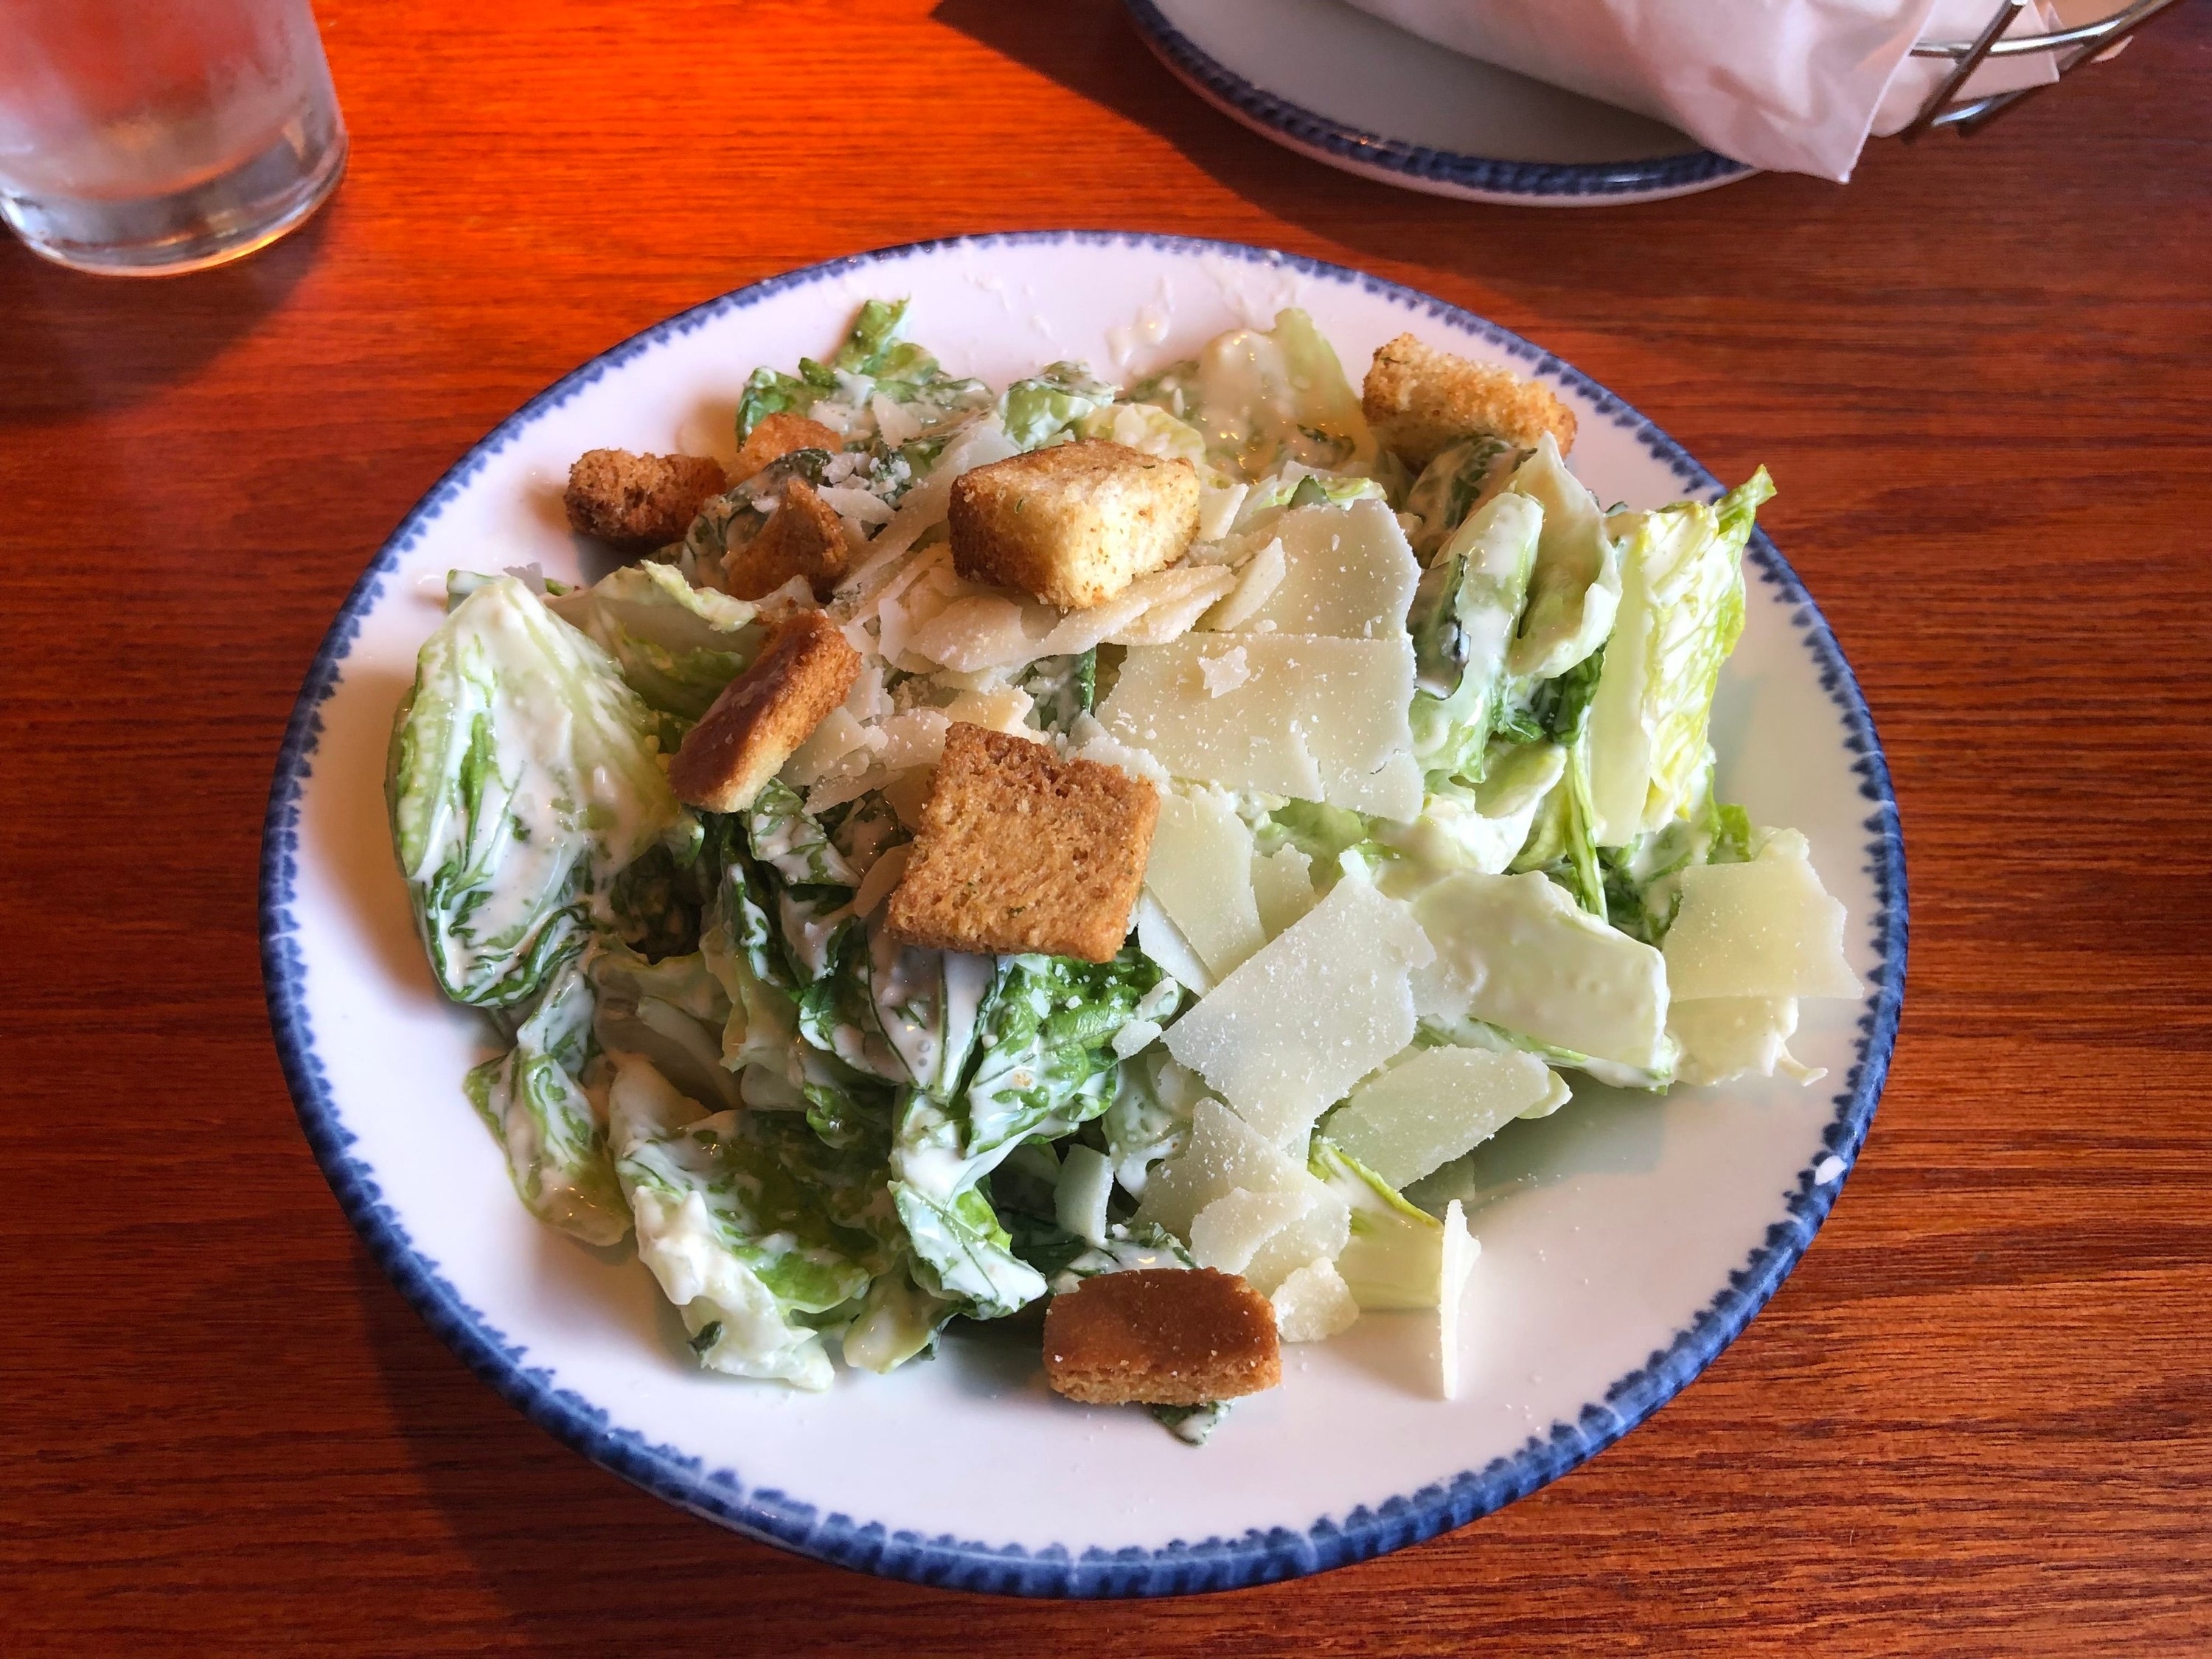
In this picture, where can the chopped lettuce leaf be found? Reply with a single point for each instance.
(523, 779)
(1260, 398)
(677, 645)
(532, 1099)
(1681, 610)
(750, 1224)
(1574, 588)
(1462, 477)
(1047, 407)
(1394, 1256)
(1462, 622)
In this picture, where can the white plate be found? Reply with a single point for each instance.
(1625, 1241)
(1349, 90)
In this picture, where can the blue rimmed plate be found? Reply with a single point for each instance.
(1626, 1241)
(1351, 91)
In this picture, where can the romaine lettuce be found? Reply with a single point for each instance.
(677, 645)
(532, 1099)
(523, 779)
(1575, 587)
(1681, 610)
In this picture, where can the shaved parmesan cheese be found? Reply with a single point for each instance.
(1177, 606)
(862, 505)
(982, 630)
(1515, 952)
(1200, 871)
(1315, 718)
(1319, 1234)
(1217, 509)
(1763, 929)
(1222, 1154)
(1282, 885)
(1224, 673)
(1135, 1037)
(900, 745)
(1003, 708)
(1723, 1038)
(1349, 573)
(1090, 741)
(1461, 1249)
(1170, 952)
(1256, 582)
(838, 736)
(925, 502)
(883, 875)
(1316, 1011)
(1313, 1304)
(1228, 1232)
(1442, 1102)
(893, 424)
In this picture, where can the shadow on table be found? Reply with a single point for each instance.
(75, 343)
(584, 1562)
(1094, 50)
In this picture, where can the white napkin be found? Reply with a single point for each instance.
(1791, 85)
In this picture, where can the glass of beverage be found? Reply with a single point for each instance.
(145, 137)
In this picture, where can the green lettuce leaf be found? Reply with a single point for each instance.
(523, 778)
(532, 1099)
(1047, 406)
(1462, 624)
(678, 646)
(1463, 476)
(1575, 587)
(1681, 612)
(756, 1232)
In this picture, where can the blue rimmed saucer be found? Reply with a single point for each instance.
(1349, 90)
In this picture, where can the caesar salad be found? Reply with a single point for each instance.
(1089, 848)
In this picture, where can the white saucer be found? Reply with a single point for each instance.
(1353, 92)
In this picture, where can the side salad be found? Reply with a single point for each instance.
(1438, 831)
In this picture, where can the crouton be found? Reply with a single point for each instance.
(1075, 524)
(804, 537)
(1020, 850)
(1419, 399)
(1161, 1336)
(761, 717)
(775, 436)
(639, 502)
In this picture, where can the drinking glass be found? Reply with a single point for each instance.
(146, 137)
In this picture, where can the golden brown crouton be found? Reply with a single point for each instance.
(777, 436)
(639, 502)
(1161, 1336)
(763, 715)
(1419, 399)
(1019, 850)
(804, 537)
(1075, 524)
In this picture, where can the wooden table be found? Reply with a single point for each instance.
(1980, 1417)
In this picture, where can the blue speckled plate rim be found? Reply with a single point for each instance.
(1657, 177)
(1212, 1564)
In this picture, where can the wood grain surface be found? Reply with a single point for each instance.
(1979, 1419)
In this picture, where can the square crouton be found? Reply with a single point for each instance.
(777, 436)
(1075, 524)
(1419, 399)
(639, 502)
(1020, 850)
(1161, 1336)
(804, 537)
(802, 671)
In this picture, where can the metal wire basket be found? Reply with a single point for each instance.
(2070, 48)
